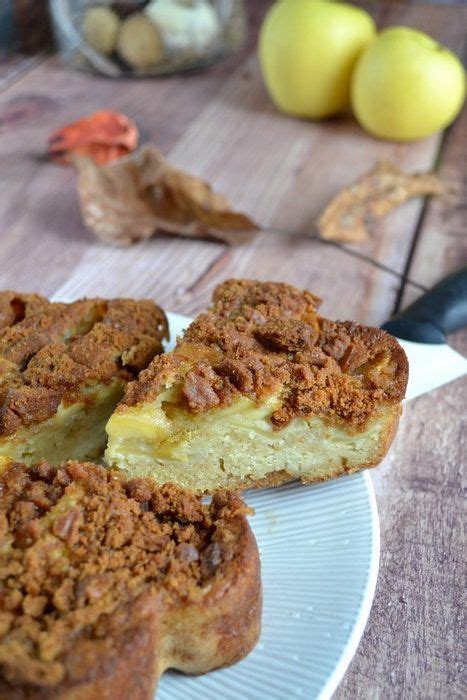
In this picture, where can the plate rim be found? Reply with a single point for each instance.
(368, 595)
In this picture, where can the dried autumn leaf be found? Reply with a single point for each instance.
(371, 197)
(135, 197)
(103, 136)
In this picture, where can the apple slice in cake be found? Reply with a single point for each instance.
(260, 390)
(63, 369)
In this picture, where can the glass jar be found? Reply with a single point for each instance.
(147, 37)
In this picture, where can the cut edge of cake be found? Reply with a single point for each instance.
(259, 390)
(64, 368)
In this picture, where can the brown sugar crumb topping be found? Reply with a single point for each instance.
(50, 351)
(263, 338)
(79, 545)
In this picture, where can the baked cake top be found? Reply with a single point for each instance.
(80, 545)
(265, 338)
(49, 351)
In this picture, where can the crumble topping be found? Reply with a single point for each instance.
(81, 549)
(263, 338)
(50, 351)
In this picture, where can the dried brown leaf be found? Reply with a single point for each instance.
(138, 196)
(348, 214)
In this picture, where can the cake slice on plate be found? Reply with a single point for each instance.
(106, 583)
(63, 369)
(260, 390)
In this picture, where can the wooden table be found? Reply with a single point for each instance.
(221, 125)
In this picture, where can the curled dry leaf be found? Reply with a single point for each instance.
(103, 136)
(135, 197)
(374, 195)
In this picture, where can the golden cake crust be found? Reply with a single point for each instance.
(106, 583)
(259, 338)
(50, 351)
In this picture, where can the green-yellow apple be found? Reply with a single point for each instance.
(406, 86)
(307, 51)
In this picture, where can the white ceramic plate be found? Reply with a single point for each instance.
(319, 548)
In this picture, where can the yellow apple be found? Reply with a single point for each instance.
(406, 86)
(307, 51)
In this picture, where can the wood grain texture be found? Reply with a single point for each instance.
(441, 243)
(220, 124)
(13, 65)
(412, 646)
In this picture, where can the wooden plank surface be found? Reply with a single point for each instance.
(412, 646)
(220, 124)
(441, 243)
(14, 65)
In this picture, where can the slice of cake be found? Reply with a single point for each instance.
(63, 369)
(260, 390)
(105, 583)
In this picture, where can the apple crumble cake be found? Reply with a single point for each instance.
(63, 369)
(106, 583)
(260, 390)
